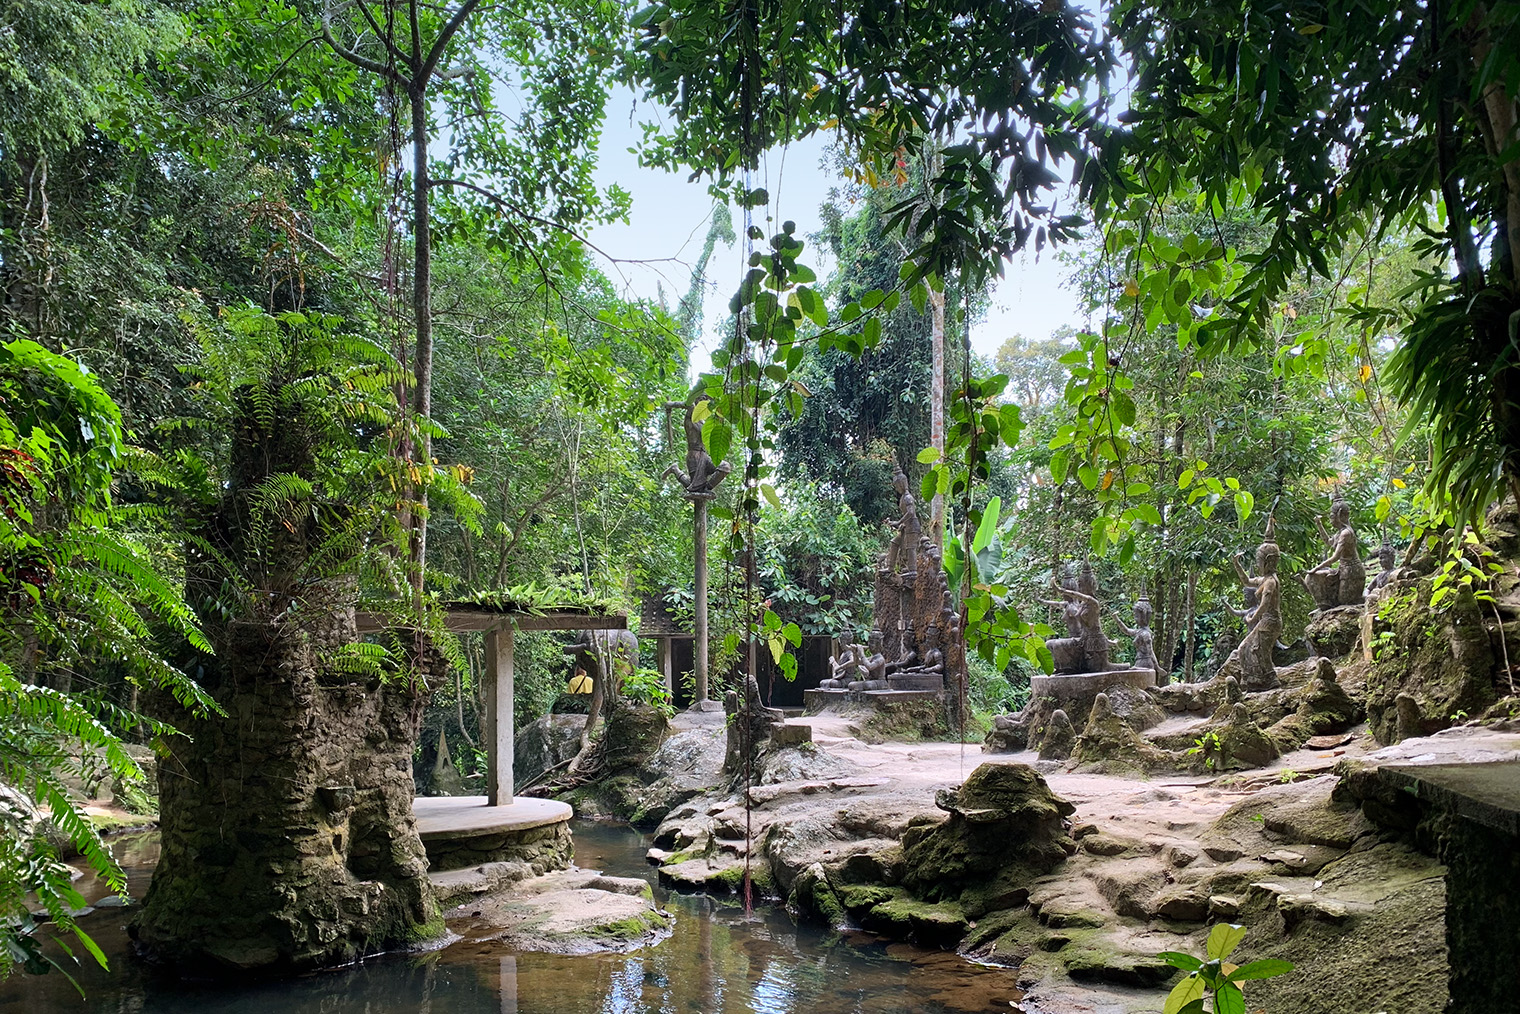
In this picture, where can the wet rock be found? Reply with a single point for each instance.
(571, 912)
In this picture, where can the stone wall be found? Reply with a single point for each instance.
(543, 848)
(287, 827)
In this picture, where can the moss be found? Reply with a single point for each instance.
(933, 924)
(634, 927)
(861, 897)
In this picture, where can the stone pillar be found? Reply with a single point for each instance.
(499, 690)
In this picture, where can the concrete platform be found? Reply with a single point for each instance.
(441, 817)
(462, 832)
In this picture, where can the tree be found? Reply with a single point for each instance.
(1336, 123)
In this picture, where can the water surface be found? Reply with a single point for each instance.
(718, 961)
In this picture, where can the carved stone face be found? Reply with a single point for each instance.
(900, 483)
(1340, 514)
(1386, 556)
(1143, 612)
(875, 640)
(1266, 559)
(1087, 581)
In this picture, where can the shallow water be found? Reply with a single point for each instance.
(718, 961)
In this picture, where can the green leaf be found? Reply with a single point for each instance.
(1228, 999)
(928, 456)
(1185, 479)
(1184, 993)
(1059, 462)
(1223, 939)
(1263, 969)
(988, 527)
(1177, 959)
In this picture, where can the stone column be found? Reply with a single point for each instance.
(499, 736)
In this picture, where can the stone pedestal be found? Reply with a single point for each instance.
(1084, 686)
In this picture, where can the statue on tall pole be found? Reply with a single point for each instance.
(699, 482)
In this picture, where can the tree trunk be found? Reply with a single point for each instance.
(1190, 652)
(422, 314)
(699, 554)
(937, 410)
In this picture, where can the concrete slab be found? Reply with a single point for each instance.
(468, 816)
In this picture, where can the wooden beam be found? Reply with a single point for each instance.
(499, 736)
(461, 620)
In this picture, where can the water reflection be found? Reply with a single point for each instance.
(718, 961)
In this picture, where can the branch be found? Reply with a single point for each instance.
(363, 62)
(503, 203)
(425, 72)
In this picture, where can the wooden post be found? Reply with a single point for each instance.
(699, 650)
(499, 690)
(663, 655)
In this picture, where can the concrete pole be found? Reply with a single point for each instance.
(699, 650)
(500, 681)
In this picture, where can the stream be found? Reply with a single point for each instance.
(718, 961)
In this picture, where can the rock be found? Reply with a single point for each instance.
(1005, 827)
(1335, 633)
(571, 912)
(1109, 744)
(686, 765)
(545, 744)
(1059, 737)
(1009, 734)
(1436, 665)
(1223, 906)
(1182, 905)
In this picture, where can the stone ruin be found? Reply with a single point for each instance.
(915, 649)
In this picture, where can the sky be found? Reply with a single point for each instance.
(669, 219)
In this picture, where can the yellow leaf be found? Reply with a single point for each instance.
(1311, 29)
(1365, 372)
(1131, 288)
(1108, 478)
(1398, 483)
(701, 410)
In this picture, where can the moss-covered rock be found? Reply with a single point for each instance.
(1111, 745)
(1442, 661)
(1005, 827)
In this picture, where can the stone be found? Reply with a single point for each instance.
(544, 745)
(1059, 737)
(1005, 826)
(1254, 659)
(1086, 648)
(570, 912)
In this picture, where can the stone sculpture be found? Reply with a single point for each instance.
(845, 666)
(699, 482)
(915, 642)
(1087, 647)
(1339, 579)
(1145, 642)
(1387, 563)
(1255, 656)
(701, 476)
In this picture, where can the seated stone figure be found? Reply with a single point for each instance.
(873, 667)
(1340, 579)
(845, 667)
